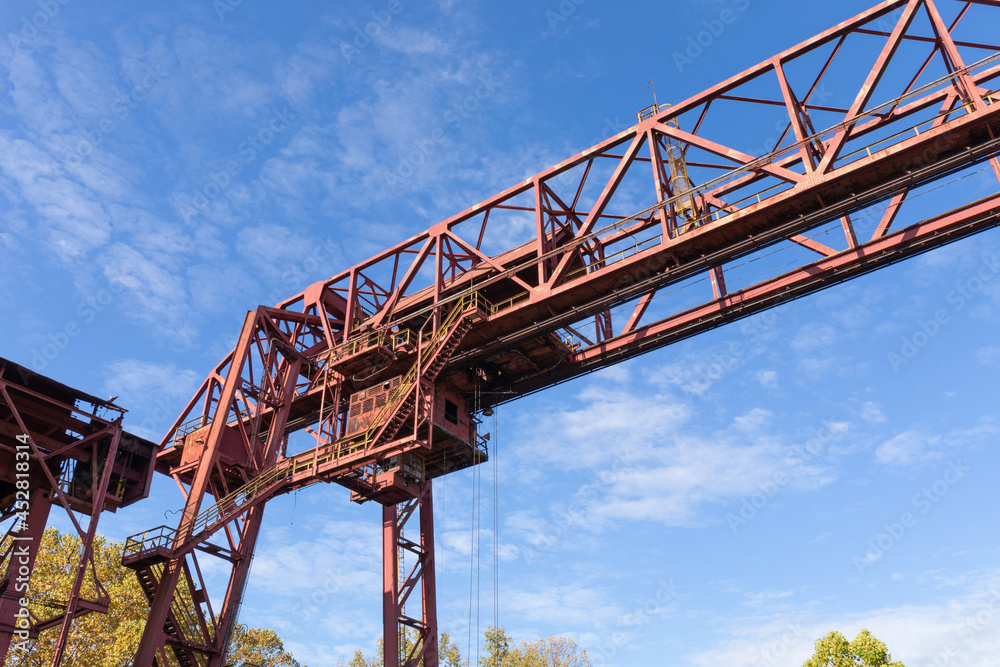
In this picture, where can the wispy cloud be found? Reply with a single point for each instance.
(963, 628)
(915, 447)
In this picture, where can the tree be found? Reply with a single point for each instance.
(110, 640)
(448, 655)
(497, 648)
(256, 647)
(865, 651)
(497, 651)
(550, 652)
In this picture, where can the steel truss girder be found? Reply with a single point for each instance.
(589, 254)
(831, 270)
(799, 176)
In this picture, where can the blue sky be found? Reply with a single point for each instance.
(727, 500)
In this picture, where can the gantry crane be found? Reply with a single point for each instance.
(388, 364)
(63, 448)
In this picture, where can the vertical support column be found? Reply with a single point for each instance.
(20, 560)
(664, 214)
(718, 282)
(99, 492)
(390, 588)
(429, 586)
(154, 634)
(395, 592)
(237, 583)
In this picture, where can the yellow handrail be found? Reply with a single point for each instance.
(297, 463)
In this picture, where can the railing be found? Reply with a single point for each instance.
(509, 303)
(164, 536)
(462, 306)
(190, 426)
(611, 259)
(648, 112)
(161, 536)
(377, 338)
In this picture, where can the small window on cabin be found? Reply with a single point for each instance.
(450, 412)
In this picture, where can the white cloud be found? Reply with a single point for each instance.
(908, 447)
(967, 623)
(153, 392)
(155, 292)
(814, 336)
(133, 377)
(915, 446)
(754, 420)
(575, 605)
(768, 379)
(647, 463)
(988, 356)
(580, 438)
(872, 413)
(759, 598)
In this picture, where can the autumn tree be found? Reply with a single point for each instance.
(448, 655)
(258, 647)
(550, 652)
(865, 651)
(496, 647)
(111, 639)
(498, 650)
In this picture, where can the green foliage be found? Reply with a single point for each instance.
(359, 660)
(110, 640)
(448, 655)
(256, 647)
(101, 640)
(551, 652)
(865, 651)
(497, 651)
(496, 648)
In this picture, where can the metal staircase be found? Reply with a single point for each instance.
(159, 544)
(178, 618)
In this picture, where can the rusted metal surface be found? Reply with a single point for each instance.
(58, 447)
(465, 317)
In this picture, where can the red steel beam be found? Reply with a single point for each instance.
(582, 261)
